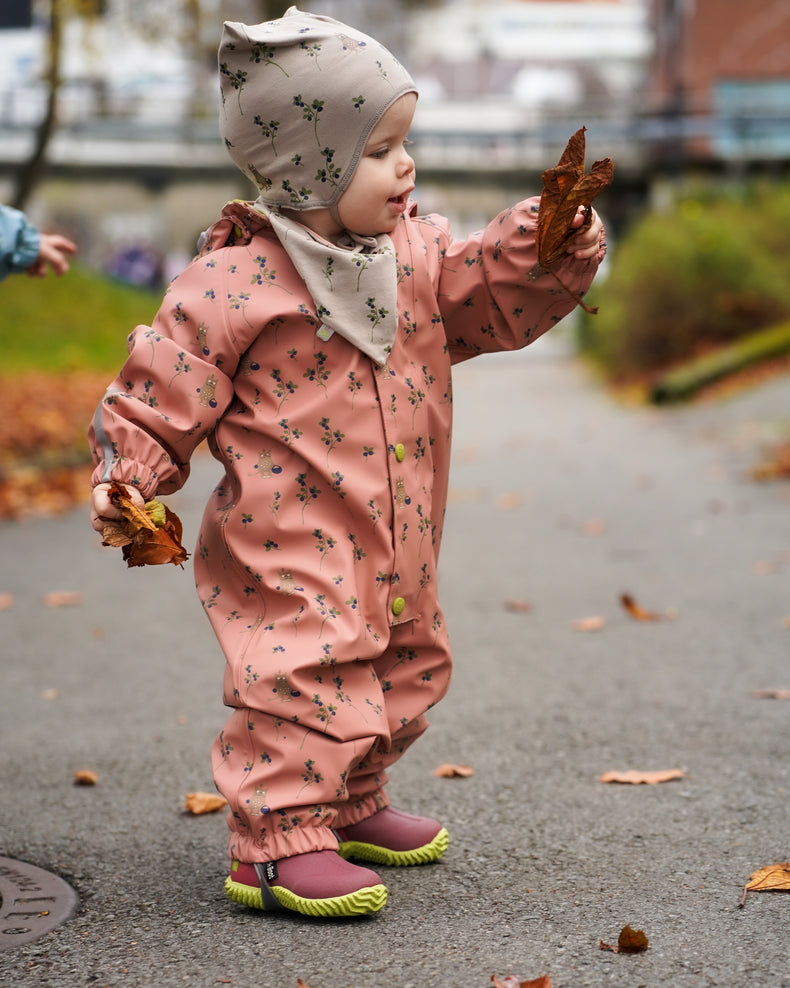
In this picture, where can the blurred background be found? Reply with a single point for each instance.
(108, 133)
(108, 109)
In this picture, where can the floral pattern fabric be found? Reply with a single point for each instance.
(317, 557)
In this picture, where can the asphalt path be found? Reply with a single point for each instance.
(561, 500)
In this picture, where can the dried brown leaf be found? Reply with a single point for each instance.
(773, 878)
(634, 777)
(771, 694)
(452, 771)
(85, 777)
(518, 606)
(512, 981)
(62, 598)
(592, 623)
(566, 187)
(638, 613)
(629, 942)
(509, 501)
(144, 541)
(199, 803)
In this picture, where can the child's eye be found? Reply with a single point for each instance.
(379, 153)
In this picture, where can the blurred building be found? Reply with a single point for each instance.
(547, 54)
(719, 82)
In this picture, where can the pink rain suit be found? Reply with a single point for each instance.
(316, 561)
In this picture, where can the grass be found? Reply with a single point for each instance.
(79, 322)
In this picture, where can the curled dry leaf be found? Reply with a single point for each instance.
(635, 778)
(639, 613)
(148, 537)
(774, 878)
(771, 694)
(450, 771)
(85, 777)
(511, 981)
(62, 598)
(593, 623)
(629, 942)
(199, 803)
(565, 189)
(509, 502)
(518, 606)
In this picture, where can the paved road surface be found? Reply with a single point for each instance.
(560, 499)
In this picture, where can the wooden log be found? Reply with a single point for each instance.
(683, 382)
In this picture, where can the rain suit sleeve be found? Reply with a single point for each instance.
(19, 241)
(491, 291)
(174, 387)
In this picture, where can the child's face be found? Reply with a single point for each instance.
(379, 190)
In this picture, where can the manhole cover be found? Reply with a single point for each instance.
(32, 902)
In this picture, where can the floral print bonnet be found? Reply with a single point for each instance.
(300, 97)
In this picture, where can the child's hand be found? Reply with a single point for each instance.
(52, 253)
(593, 239)
(103, 510)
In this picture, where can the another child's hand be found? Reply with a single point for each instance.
(52, 252)
(593, 239)
(103, 510)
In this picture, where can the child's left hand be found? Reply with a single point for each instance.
(593, 239)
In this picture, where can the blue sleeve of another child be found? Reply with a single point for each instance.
(19, 241)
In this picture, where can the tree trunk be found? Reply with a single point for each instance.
(32, 171)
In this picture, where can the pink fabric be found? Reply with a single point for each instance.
(317, 557)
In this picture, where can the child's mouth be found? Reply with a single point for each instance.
(399, 202)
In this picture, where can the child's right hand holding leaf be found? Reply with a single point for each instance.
(149, 534)
(102, 508)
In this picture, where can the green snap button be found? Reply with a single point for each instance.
(400, 452)
(397, 606)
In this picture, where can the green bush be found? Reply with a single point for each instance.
(710, 270)
(77, 322)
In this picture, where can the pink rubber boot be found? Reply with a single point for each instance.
(318, 883)
(391, 837)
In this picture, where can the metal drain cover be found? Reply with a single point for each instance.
(32, 902)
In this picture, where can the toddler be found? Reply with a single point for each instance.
(312, 341)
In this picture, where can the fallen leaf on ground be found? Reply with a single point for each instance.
(511, 981)
(588, 623)
(50, 694)
(199, 803)
(638, 613)
(774, 878)
(771, 694)
(776, 466)
(62, 598)
(518, 606)
(565, 189)
(509, 502)
(634, 778)
(149, 536)
(593, 527)
(6, 601)
(629, 942)
(85, 777)
(449, 771)
(764, 567)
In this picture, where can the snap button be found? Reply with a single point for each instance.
(400, 452)
(397, 606)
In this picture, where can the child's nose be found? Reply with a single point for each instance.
(405, 163)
